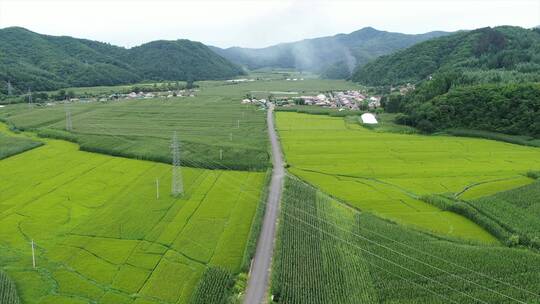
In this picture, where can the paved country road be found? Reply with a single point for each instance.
(260, 269)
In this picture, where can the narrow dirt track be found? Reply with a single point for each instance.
(260, 270)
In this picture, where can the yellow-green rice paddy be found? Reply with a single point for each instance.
(385, 173)
(102, 235)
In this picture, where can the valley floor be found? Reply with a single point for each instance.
(102, 235)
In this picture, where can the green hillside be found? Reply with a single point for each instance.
(180, 59)
(500, 54)
(338, 54)
(42, 62)
(505, 108)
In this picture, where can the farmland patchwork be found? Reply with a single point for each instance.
(386, 173)
(102, 235)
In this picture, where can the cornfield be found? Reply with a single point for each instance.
(8, 292)
(330, 253)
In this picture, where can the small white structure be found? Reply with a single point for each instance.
(369, 119)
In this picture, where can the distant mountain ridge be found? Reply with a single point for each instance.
(338, 54)
(483, 55)
(43, 62)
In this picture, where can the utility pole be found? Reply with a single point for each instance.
(238, 124)
(157, 188)
(220, 154)
(230, 136)
(177, 187)
(69, 126)
(33, 256)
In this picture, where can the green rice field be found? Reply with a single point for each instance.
(102, 235)
(386, 173)
(143, 129)
(214, 128)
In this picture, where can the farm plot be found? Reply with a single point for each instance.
(516, 210)
(143, 129)
(328, 253)
(385, 173)
(11, 145)
(102, 235)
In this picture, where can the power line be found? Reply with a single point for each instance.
(411, 247)
(221, 166)
(427, 264)
(407, 256)
(386, 270)
(385, 259)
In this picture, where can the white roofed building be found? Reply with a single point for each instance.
(368, 118)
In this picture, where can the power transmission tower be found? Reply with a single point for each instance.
(9, 88)
(177, 183)
(29, 98)
(69, 125)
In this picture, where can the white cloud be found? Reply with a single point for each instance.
(254, 23)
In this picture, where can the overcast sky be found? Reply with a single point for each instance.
(255, 23)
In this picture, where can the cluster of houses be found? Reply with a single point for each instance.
(164, 94)
(240, 80)
(294, 79)
(135, 95)
(262, 102)
(404, 89)
(351, 99)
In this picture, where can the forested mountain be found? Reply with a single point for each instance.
(486, 79)
(180, 59)
(500, 54)
(42, 62)
(333, 56)
(505, 108)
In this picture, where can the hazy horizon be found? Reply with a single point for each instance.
(227, 24)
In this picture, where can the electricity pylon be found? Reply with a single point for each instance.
(69, 126)
(177, 187)
(9, 88)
